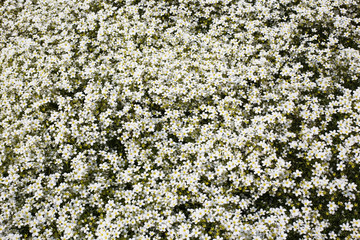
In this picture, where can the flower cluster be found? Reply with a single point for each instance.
(179, 119)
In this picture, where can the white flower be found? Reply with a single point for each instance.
(332, 207)
(348, 206)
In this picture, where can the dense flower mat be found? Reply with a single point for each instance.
(179, 119)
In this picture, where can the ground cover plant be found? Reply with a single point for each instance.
(179, 119)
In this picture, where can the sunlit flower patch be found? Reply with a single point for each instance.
(178, 119)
